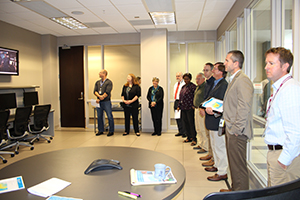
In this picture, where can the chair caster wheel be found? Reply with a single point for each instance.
(4, 161)
(12, 155)
(51, 138)
(31, 148)
(16, 152)
(31, 143)
(48, 141)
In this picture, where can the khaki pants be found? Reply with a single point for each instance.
(219, 152)
(202, 132)
(277, 175)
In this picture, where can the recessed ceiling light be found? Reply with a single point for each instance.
(163, 18)
(69, 22)
(77, 12)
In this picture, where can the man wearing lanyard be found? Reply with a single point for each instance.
(283, 112)
(102, 90)
(177, 87)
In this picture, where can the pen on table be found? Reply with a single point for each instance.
(138, 195)
(127, 195)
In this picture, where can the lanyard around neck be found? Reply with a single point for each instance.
(271, 100)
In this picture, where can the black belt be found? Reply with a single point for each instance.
(274, 147)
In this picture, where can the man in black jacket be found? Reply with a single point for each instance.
(212, 120)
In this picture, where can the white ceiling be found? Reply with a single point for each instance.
(119, 15)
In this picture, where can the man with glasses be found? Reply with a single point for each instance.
(207, 71)
(212, 120)
(199, 120)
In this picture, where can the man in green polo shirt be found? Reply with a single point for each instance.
(199, 120)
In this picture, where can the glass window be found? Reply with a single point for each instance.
(119, 61)
(177, 64)
(261, 41)
(198, 54)
(288, 33)
(233, 38)
(94, 67)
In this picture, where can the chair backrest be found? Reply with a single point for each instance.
(4, 115)
(21, 120)
(290, 190)
(41, 113)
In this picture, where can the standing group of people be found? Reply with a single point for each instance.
(130, 94)
(226, 149)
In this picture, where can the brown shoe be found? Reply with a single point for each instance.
(225, 190)
(208, 163)
(201, 151)
(211, 169)
(193, 143)
(217, 177)
(207, 157)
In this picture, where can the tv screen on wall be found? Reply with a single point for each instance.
(9, 61)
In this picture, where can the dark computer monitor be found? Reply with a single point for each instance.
(31, 98)
(8, 101)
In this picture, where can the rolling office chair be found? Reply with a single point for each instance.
(4, 115)
(290, 190)
(19, 132)
(40, 125)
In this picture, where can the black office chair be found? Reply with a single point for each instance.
(290, 190)
(41, 124)
(4, 115)
(19, 132)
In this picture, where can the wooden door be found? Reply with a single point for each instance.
(71, 87)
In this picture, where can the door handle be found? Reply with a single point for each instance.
(81, 96)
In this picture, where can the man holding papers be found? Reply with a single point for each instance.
(212, 120)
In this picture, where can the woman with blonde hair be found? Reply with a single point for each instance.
(130, 94)
(155, 96)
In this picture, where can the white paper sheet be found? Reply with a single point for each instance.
(94, 103)
(49, 187)
(177, 114)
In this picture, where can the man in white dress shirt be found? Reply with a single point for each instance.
(177, 87)
(282, 132)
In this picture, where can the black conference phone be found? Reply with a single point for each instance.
(103, 164)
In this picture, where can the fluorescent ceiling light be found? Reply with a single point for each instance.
(163, 18)
(69, 22)
(43, 8)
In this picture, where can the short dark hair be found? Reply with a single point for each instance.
(188, 75)
(221, 68)
(210, 64)
(237, 56)
(285, 56)
(219, 63)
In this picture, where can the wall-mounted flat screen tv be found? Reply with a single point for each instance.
(9, 61)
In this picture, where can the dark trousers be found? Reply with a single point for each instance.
(156, 114)
(134, 112)
(188, 119)
(236, 152)
(179, 121)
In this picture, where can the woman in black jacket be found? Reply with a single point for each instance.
(155, 97)
(130, 94)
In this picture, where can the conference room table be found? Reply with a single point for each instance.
(70, 164)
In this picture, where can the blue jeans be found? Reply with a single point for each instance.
(105, 105)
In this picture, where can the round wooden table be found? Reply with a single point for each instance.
(70, 164)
